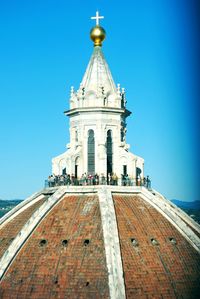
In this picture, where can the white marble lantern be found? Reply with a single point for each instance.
(97, 118)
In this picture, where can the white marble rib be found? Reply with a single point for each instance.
(111, 243)
(27, 229)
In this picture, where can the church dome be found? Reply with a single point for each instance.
(98, 242)
(97, 35)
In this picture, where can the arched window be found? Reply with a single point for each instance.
(91, 152)
(77, 162)
(64, 171)
(109, 152)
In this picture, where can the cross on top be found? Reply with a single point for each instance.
(97, 18)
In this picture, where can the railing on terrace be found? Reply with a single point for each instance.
(92, 182)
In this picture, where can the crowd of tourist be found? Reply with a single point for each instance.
(88, 179)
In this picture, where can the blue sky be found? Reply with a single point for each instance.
(151, 48)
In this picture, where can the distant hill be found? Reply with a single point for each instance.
(191, 208)
(7, 205)
(187, 204)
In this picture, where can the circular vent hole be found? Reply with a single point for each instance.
(134, 242)
(64, 243)
(43, 242)
(172, 240)
(154, 241)
(55, 280)
(86, 242)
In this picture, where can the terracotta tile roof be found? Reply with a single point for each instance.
(64, 257)
(157, 260)
(9, 231)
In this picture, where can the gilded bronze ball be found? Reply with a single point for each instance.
(97, 35)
